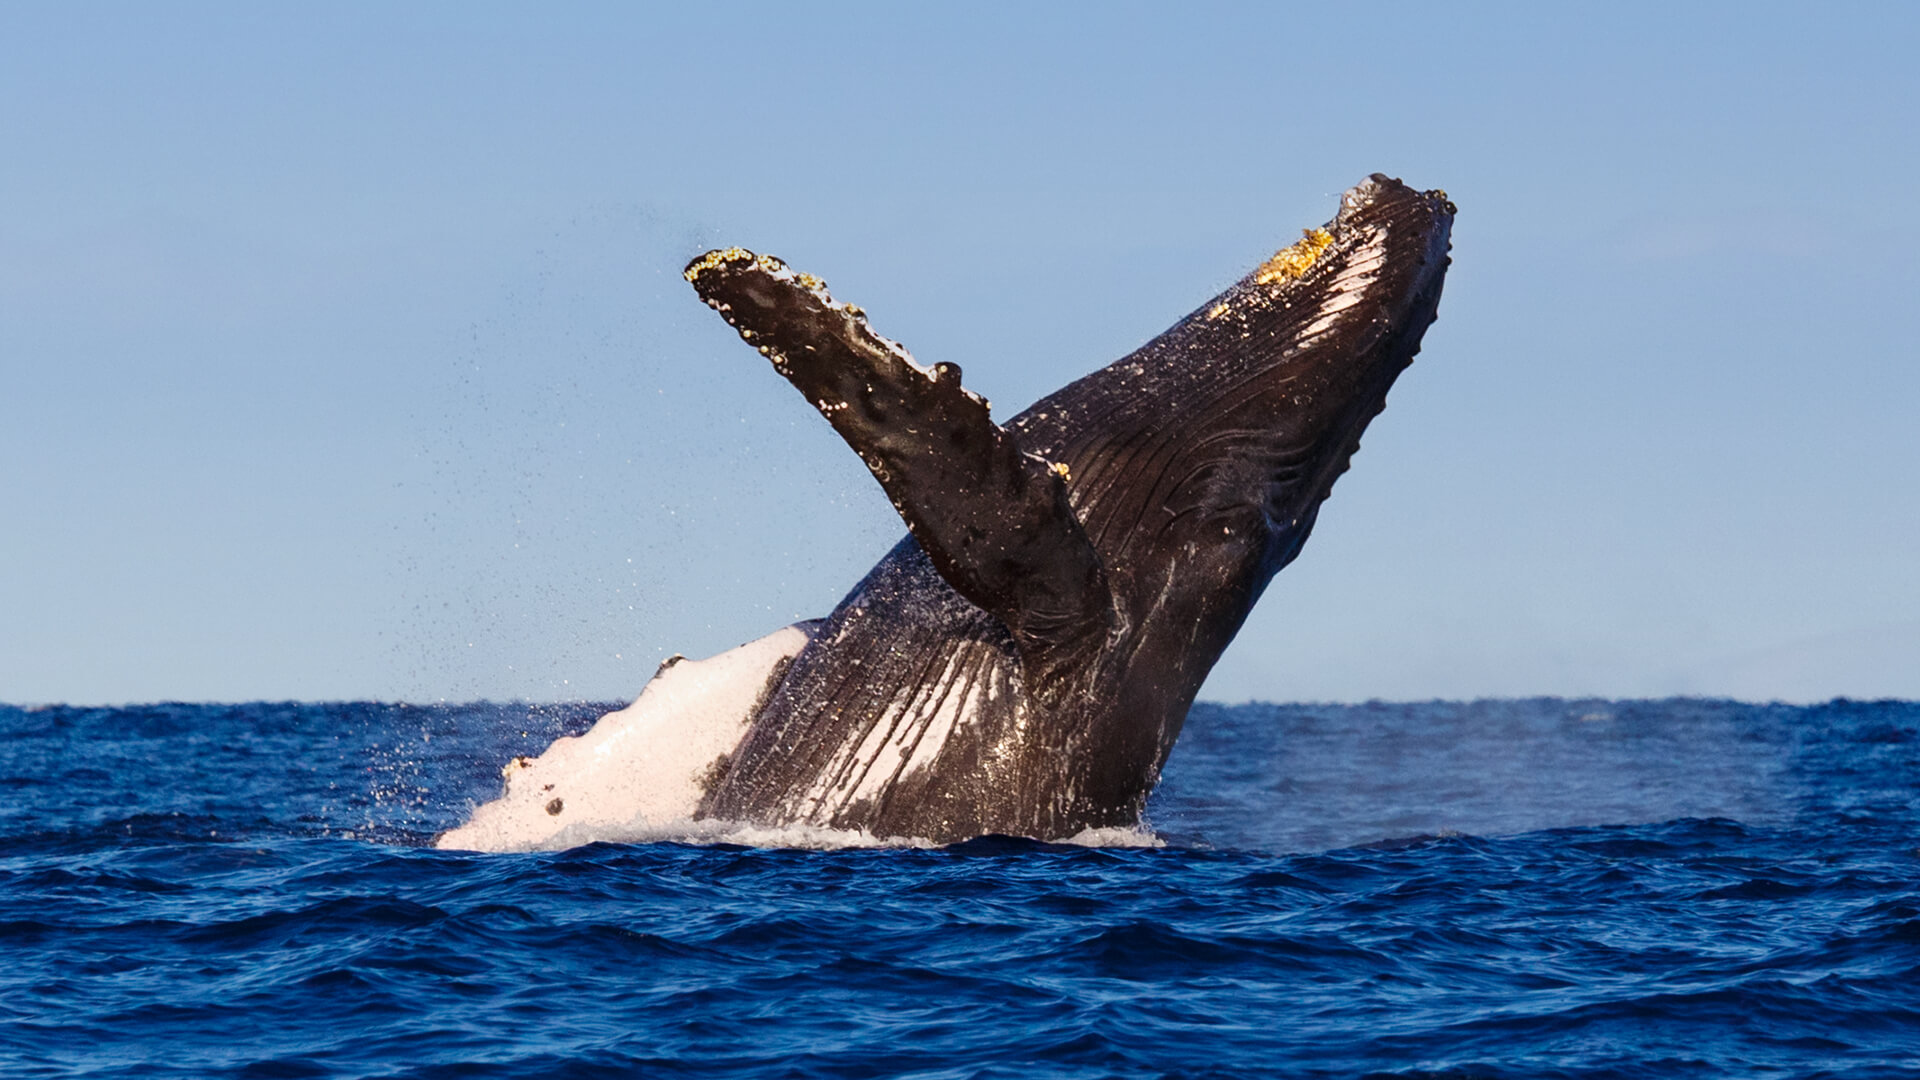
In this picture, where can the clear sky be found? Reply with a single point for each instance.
(343, 351)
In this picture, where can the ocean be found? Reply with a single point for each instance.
(1514, 888)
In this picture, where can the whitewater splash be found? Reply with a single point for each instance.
(711, 831)
(637, 776)
(642, 769)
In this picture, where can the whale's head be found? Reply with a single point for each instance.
(1342, 314)
(1209, 450)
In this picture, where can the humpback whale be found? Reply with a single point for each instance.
(1022, 661)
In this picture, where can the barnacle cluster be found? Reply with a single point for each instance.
(1290, 262)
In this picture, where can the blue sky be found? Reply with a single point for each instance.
(343, 351)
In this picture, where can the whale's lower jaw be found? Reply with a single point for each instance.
(643, 767)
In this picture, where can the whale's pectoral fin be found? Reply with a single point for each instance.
(994, 519)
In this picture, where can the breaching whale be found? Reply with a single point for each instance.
(1022, 662)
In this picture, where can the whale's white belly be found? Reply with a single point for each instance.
(645, 765)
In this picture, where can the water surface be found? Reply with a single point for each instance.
(1534, 888)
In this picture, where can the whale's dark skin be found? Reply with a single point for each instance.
(1023, 661)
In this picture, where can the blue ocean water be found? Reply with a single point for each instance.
(1532, 888)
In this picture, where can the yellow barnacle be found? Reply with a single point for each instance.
(714, 258)
(1061, 468)
(1290, 262)
(1216, 311)
(810, 281)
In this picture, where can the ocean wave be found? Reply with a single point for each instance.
(182, 898)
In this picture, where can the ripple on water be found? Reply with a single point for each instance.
(1524, 888)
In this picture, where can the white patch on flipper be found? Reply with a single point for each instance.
(644, 765)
